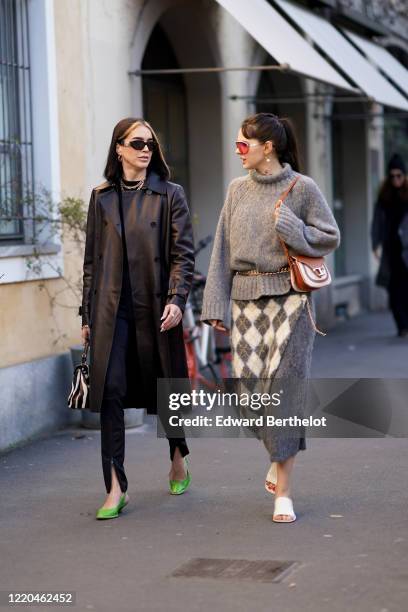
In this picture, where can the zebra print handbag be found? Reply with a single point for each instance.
(79, 394)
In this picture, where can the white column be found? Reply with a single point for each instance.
(236, 48)
(319, 167)
(377, 297)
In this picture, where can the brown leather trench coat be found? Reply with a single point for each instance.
(167, 260)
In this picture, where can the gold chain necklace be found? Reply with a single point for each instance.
(138, 185)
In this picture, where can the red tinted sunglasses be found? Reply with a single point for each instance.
(243, 147)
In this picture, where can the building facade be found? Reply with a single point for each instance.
(70, 69)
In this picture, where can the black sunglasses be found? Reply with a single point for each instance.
(139, 144)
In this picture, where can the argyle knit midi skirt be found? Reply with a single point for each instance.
(272, 339)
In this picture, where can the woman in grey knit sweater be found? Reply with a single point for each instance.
(272, 333)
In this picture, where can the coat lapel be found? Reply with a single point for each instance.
(110, 200)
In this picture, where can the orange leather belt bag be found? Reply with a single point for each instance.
(306, 273)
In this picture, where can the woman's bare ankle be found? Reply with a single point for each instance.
(177, 469)
(282, 492)
(114, 492)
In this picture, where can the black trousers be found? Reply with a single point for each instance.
(112, 411)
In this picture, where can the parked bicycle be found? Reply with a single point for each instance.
(208, 351)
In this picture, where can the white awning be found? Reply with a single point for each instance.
(282, 41)
(381, 58)
(341, 52)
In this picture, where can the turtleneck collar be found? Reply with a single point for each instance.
(283, 175)
(127, 182)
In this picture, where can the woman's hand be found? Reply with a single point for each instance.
(86, 332)
(171, 317)
(217, 324)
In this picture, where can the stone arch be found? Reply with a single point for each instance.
(189, 31)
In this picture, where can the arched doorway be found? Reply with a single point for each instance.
(351, 202)
(165, 104)
(186, 108)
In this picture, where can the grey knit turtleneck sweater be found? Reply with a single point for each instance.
(247, 237)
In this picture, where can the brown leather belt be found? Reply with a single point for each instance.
(257, 273)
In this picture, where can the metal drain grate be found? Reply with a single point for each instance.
(240, 569)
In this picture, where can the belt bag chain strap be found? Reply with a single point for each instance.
(306, 273)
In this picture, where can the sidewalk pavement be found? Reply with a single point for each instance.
(365, 346)
(354, 560)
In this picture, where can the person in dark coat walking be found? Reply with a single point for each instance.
(137, 273)
(389, 236)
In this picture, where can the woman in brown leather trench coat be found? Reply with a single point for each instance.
(137, 272)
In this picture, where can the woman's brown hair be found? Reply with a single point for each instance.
(387, 191)
(113, 168)
(280, 130)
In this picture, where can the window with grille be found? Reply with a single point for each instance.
(16, 163)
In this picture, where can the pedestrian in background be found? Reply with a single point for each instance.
(271, 333)
(138, 268)
(389, 235)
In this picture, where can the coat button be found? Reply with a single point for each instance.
(149, 192)
(105, 222)
(153, 223)
(100, 255)
(157, 259)
(94, 291)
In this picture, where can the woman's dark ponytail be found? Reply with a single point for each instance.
(267, 126)
(290, 154)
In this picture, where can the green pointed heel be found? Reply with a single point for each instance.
(108, 513)
(177, 487)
